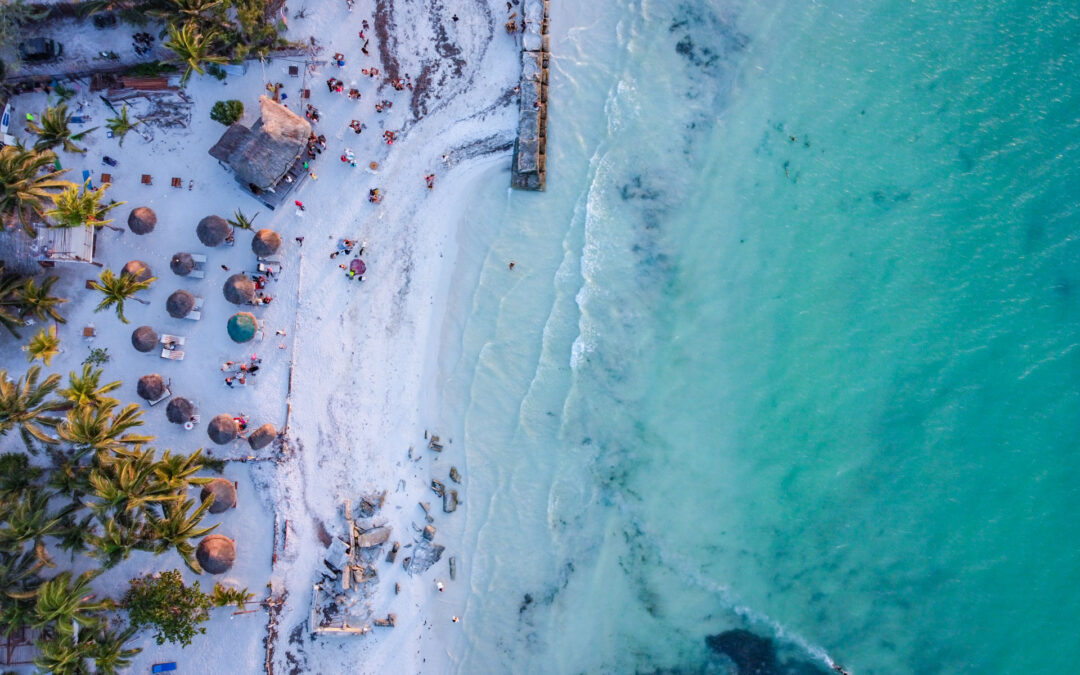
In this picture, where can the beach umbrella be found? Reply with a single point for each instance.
(242, 326)
(144, 339)
(151, 387)
(179, 410)
(266, 243)
(137, 269)
(180, 304)
(239, 289)
(223, 429)
(142, 220)
(224, 493)
(262, 437)
(182, 264)
(213, 230)
(357, 265)
(216, 553)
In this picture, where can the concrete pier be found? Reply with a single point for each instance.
(528, 168)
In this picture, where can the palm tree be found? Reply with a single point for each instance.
(28, 519)
(177, 526)
(54, 130)
(64, 603)
(192, 48)
(177, 471)
(18, 577)
(45, 345)
(73, 534)
(126, 483)
(37, 302)
(242, 222)
(120, 124)
(26, 185)
(108, 651)
(193, 9)
(85, 391)
(61, 655)
(68, 475)
(117, 289)
(24, 404)
(11, 307)
(99, 429)
(116, 542)
(77, 207)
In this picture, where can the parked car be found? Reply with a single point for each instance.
(37, 50)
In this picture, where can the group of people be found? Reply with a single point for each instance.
(143, 43)
(237, 373)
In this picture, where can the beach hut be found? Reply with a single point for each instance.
(144, 339)
(224, 493)
(180, 410)
(213, 230)
(262, 437)
(239, 289)
(151, 387)
(266, 243)
(216, 553)
(182, 264)
(179, 304)
(242, 326)
(223, 429)
(138, 269)
(142, 220)
(267, 159)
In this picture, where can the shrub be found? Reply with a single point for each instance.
(227, 112)
(217, 71)
(164, 603)
(99, 356)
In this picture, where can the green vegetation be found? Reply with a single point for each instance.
(227, 112)
(45, 345)
(118, 289)
(99, 356)
(22, 298)
(241, 221)
(192, 48)
(121, 125)
(27, 185)
(164, 603)
(76, 206)
(54, 130)
(224, 596)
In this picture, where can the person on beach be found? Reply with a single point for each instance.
(225, 366)
(430, 180)
(299, 204)
(300, 241)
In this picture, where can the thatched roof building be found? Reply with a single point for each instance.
(27, 255)
(144, 339)
(262, 437)
(180, 410)
(242, 326)
(266, 243)
(262, 157)
(239, 289)
(142, 220)
(182, 264)
(213, 230)
(216, 553)
(224, 493)
(180, 304)
(151, 387)
(223, 429)
(137, 269)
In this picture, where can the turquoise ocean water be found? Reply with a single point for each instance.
(790, 344)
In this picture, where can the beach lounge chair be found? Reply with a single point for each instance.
(177, 182)
(106, 178)
(167, 394)
(173, 340)
(199, 258)
(147, 179)
(86, 177)
(163, 667)
(172, 354)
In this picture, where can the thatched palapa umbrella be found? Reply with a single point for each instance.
(180, 304)
(242, 326)
(262, 437)
(223, 429)
(144, 339)
(266, 243)
(239, 289)
(224, 493)
(216, 553)
(213, 230)
(151, 387)
(182, 264)
(142, 220)
(138, 269)
(180, 410)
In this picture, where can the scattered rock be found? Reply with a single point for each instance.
(449, 502)
(455, 475)
(453, 568)
(393, 552)
(438, 488)
(427, 511)
(373, 537)
(429, 532)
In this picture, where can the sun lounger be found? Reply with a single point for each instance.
(147, 179)
(194, 315)
(199, 258)
(163, 667)
(172, 354)
(177, 340)
(85, 178)
(167, 394)
(197, 274)
(198, 302)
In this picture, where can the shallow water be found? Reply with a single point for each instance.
(790, 344)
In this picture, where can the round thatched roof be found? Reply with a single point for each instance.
(213, 230)
(262, 437)
(216, 553)
(138, 269)
(239, 289)
(223, 429)
(242, 326)
(182, 264)
(142, 220)
(144, 339)
(179, 304)
(179, 410)
(266, 242)
(224, 494)
(151, 387)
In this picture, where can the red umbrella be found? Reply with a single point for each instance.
(357, 265)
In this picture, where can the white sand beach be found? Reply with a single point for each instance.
(348, 369)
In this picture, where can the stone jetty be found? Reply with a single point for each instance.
(528, 168)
